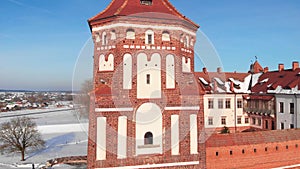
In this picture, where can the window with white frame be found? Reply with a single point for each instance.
(220, 103)
(149, 37)
(166, 36)
(227, 104)
(246, 120)
(130, 34)
(113, 35)
(281, 107)
(239, 120)
(104, 38)
(210, 103)
(239, 103)
(210, 121)
(292, 108)
(223, 120)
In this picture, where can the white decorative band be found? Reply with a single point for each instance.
(286, 167)
(128, 25)
(113, 109)
(183, 108)
(156, 165)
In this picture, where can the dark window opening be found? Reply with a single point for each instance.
(292, 108)
(254, 150)
(296, 145)
(149, 39)
(287, 147)
(292, 126)
(281, 107)
(230, 152)
(266, 149)
(243, 151)
(148, 79)
(217, 153)
(148, 138)
(146, 2)
(276, 148)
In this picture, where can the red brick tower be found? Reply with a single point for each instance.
(145, 110)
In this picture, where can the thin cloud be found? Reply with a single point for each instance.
(29, 6)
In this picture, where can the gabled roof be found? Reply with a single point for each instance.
(132, 7)
(256, 67)
(276, 81)
(223, 82)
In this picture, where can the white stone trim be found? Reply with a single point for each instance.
(286, 167)
(113, 109)
(183, 108)
(156, 165)
(129, 25)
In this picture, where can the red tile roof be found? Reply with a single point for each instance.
(287, 79)
(250, 138)
(103, 89)
(133, 7)
(224, 76)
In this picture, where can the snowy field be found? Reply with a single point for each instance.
(65, 135)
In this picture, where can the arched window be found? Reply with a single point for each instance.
(148, 138)
(165, 36)
(104, 38)
(130, 34)
(97, 37)
(113, 35)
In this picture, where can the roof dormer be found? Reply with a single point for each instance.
(146, 2)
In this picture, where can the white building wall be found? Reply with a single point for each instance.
(127, 71)
(193, 134)
(149, 119)
(286, 117)
(217, 113)
(101, 139)
(175, 134)
(122, 137)
(106, 65)
(170, 72)
(152, 68)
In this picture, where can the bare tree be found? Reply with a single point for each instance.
(19, 135)
(83, 98)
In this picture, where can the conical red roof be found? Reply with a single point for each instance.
(131, 7)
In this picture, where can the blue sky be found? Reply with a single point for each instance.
(41, 39)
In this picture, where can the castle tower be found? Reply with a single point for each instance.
(145, 110)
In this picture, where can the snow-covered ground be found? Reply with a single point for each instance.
(65, 135)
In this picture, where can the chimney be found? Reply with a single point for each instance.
(219, 69)
(295, 65)
(266, 69)
(204, 70)
(281, 67)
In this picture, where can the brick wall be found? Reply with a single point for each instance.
(269, 149)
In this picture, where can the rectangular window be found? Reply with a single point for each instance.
(210, 121)
(281, 107)
(210, 103)
(227, 104)
(239, 103)
(149, 39)
(282, 126)
(292, 108)
(239, 120)
(292, 126)
(148, 79)
(253, 121)
(223, 121)
(259, 122)
(246, 120)
(220, 104)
